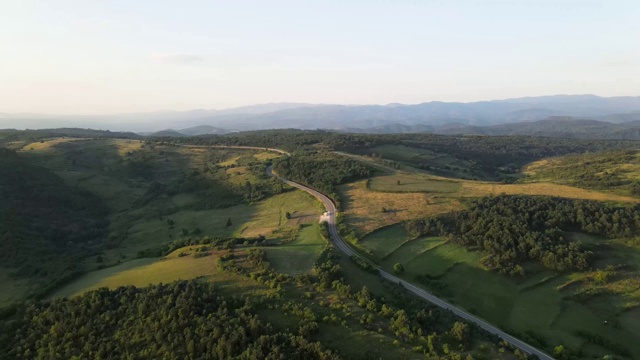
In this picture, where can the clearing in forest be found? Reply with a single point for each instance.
(389, 199)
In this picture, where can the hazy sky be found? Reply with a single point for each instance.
(100, 56)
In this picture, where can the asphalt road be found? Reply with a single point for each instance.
(345, 248)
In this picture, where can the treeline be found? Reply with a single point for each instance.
(498, 156)
(8, 135)
(214, 186)
(181, 320)
(432, 331)
(215, 242)
(602, 171)
(517, 229)
(491, 154)
(285, 139)
(46, 227)
(429, 330)
(322, 171)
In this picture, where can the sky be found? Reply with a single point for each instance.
(104, 57)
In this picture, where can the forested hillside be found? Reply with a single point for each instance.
(517, 229)
(610, 170)
(322, 171)
(182, 320)
(490, 157)
(46, 227)
(8, 135)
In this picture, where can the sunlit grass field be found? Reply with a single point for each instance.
(299, 256)
(179, 265)
(420, 195)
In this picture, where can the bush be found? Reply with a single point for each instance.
(398, 268)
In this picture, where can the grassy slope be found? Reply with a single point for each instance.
(614, 171)
(363, 200)
(268, 216)
(109, 169)
(299, 256)
(539, 303)
(384, 241)
(104, 167)
(544, 303)
(143, 272)
(440, 164)
(293, 258)
(349, 338)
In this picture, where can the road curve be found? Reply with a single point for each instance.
(345, 248)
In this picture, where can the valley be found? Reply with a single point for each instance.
(171, 207)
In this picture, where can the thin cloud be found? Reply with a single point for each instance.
(175, 58)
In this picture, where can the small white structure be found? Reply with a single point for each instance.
(325, 217)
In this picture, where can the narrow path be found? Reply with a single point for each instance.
(347, 250)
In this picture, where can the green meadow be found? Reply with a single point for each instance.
(299, 256)
(544, 308)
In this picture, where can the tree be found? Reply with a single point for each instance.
(460, 332)
(559, 352)
(229, 223)
(398, 268)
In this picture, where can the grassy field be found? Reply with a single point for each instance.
(293, 258)
(157, 194)
(363, 208)
(385, 241)
(363, 205)
(413, 183)
(554, 308)
(614, 171)
(543, 303)
(14, 290)
(110, 168)
(179, 265)
(298, 256)
(411, 250)
(430, 162)
(265, 218)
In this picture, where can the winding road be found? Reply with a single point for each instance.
(347, 250)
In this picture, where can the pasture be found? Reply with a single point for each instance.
(543, 303)
(430, 162)
(299, 256)
(158, 193)
(385, 241)
(419, 195)
(614, 171)
(179, 265)
(414, 183)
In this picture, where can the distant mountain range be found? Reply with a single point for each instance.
(559, 115)
(192, 131)
(565, 127)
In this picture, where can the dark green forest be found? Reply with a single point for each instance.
(46, 227)
(517, 229)
(8, 135)
(194, 320)
(609, 170)
(498, 156)
(182, 320)
(322, 171)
